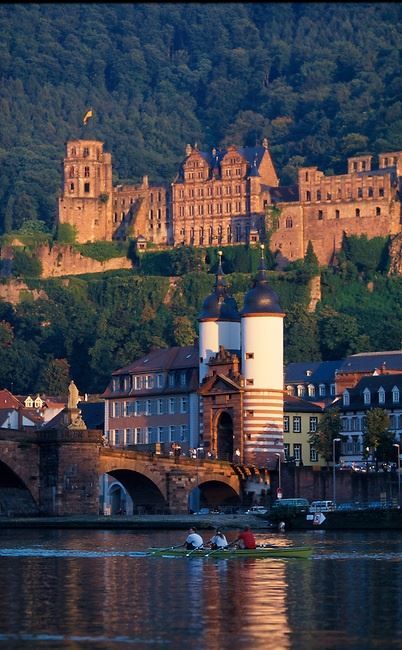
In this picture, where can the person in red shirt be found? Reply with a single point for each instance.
(245, 539)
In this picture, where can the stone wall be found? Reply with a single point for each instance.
(65, 260)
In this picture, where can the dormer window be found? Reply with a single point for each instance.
(395, 394)
(311, 390)
(321, 390)
(346, 398)
(290, 390)
(381, 395)
(29, 402)
(366, 396)
(301, 391)
(38, 403)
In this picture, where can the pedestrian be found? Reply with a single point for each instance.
(218, 540)
(245, 539)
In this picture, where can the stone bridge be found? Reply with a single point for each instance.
(53, 472)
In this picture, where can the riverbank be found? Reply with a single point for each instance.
(138, 522)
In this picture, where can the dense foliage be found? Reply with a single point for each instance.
(322, 81)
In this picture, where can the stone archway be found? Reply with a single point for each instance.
(224, 437)
(15, 498)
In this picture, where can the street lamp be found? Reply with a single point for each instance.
(333, 469)
(279, 490)
(399, 471)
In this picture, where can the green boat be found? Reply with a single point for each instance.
(259, 552)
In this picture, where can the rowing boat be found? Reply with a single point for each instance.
(259, 552)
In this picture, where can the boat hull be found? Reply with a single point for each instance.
(259, 552)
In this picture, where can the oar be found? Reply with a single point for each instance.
(220, 548)
(197, 548)
(162, 550)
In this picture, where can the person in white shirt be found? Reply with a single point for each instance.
(193, 540)
(218, 540)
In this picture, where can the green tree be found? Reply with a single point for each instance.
(377, 435)
(328, 428)
(25, 264)
(184, 332)
(55, 377)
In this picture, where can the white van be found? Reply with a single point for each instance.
(321, 506)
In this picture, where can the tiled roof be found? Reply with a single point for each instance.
(8, 400)
(162, 360)
(321, 372)
(369, 361)
(373, 384)
(294, 404)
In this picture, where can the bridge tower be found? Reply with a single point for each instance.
(219, 323)
(262, 369)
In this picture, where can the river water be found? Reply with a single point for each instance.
(97, 589)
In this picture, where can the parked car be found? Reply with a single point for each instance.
(256, 510)
(322, 506)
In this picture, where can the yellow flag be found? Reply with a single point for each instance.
(87, 115)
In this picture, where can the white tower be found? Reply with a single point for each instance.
(262, 368)
(219, 323)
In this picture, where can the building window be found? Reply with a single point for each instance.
(117, 409)
(183, 405)
(332, 390)
(320, 215)
(313, 454)
(138, 382)
(249, 414)
(71, 187)
(359, 192)
(308, 195)
(85, 152)
(87, 187)
(172, 432)
(311, 390)
(149, 381)
(296, 424)
(171, 379)
(171, 405)
(381, 395)
(249, 355)
(286, 449)
(86, 172)
(318, 195)
(148, 407)
(366, 396)
(346, 398)
(289, 222)
(321, 390)
(337, 214)
(357, 212)
(381, 191)
(313, 424)
(250, 382)
(183, 433)
(297, 451)
(395, 395)
(160, 406)
(378, 212)
(286, 424)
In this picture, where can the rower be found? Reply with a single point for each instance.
(218, 540)
(193, 540)
(245, 539)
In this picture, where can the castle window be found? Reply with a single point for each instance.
(238, 189)
(359, 192)
(378, 212)
(238, 172)
(209, 190)
(73, 151)
(308, 195)
(306, 176)
(337, 214)
(219, 190)
(86, 187)
(159, 214)
(228, 207)
(228, 190)
(249, 355)
(318, 195)
(229, 234)
(370, 191)
(151, 214)
(228, 172)
(363, 165)
(121, 216)
(71, 187)
(249, 414)
(181, 194)
(191, 193)
(329, 196)
(289, 222)
(201, 209)
(357, 212)
(381, 191)
(355, 166)
(86, 172)
(209, 208)
(115, 217)
(320, 215)
(219, 208)
(199, 174)
(238, 206)
(85, 152)
(71, 172)
(191, 210)
(386, 162)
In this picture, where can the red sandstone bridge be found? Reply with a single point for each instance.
(60, 472)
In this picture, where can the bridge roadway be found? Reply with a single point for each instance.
(61, 470)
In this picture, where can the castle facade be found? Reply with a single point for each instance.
(226, 197)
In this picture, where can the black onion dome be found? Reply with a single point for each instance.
(219, 305)
(261, 299)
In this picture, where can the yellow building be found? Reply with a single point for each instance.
(300, 419)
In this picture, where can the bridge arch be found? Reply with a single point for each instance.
(131, 492)
(15, 497)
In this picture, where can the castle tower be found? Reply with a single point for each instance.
(86, 202)
(219, 323)
(262, 369)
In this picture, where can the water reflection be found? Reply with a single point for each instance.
(91, 590)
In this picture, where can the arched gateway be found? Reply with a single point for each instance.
(225, 437)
